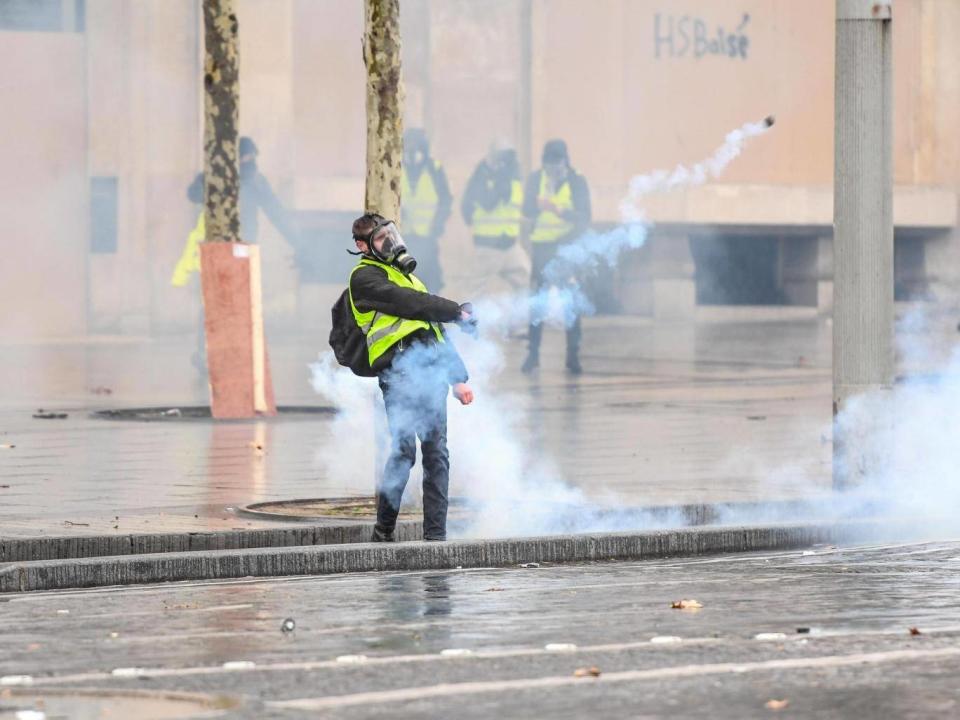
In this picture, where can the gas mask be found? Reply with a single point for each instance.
(392, 248)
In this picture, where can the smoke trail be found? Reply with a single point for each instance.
(562, 300)
(682, 176)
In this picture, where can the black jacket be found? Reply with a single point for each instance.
(580, 215)
(486, 189)
(371, 289)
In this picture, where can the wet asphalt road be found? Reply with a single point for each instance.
(857, 660)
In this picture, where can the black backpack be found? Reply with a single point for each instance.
(347, 340)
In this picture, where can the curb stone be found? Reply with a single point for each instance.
(334, 532)
(408, 556)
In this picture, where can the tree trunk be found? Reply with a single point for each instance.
(381, 55)
(221, 80)
(237, 365)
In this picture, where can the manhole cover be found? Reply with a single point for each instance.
(359, 508)
(80, 704)
(202, 413)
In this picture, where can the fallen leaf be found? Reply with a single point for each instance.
(494, 590)
(101, 390)
(915, 631)
(686, 605)
(33, 646)
(776, 704)
(587, 672)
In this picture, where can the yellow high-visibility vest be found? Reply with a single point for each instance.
(384, 331)
(419, 204)
(549, 227)
(189, 261)
(504, 219)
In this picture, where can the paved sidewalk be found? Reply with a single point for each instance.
(711, 412)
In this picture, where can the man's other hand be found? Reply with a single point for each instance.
(463, 393)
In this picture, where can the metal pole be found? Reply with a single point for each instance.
(863, 316)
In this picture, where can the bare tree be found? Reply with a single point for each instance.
(385, 95)
(221, 77)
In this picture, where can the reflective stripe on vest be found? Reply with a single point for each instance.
(384, 331)
(504, 219)
(549, 226)
(418, 206)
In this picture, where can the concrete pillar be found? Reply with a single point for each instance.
(807, 271)
(659, 279)
(863, 358)
(672, 272)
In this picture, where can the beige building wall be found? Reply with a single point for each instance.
(620, 80)
(43, 187)
(629, 74)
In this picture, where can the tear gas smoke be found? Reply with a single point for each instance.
(510, 488)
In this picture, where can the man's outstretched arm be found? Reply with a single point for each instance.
(372, 290)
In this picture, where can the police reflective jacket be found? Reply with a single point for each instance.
(572, 200)
(395, 310)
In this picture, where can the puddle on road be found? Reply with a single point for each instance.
(78, 704)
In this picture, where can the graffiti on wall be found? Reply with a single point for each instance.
(696, 37)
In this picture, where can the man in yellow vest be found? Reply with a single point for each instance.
(425, 205)
(556, 200)
(492, 207)
(416, 365)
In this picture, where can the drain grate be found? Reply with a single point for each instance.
(202, 413)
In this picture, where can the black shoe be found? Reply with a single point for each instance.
(530, 364)
(431, 539)
(382, 535)
(573, 366)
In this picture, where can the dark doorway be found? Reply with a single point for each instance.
(737, 269)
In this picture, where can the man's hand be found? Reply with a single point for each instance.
(468, 319)
(463, 393)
